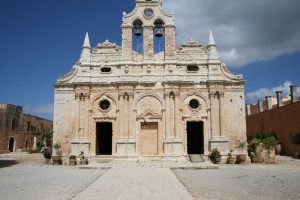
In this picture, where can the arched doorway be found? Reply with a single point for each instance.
(11, 144)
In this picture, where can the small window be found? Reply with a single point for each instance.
(28, 126)
(13, 124)
(192, 68)
(194, 104)
(104, 105)
(105, 69)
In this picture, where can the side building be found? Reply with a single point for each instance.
(279, 116)
(16, 128)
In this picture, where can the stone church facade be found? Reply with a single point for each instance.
(125, 102)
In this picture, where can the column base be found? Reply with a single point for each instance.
(219, 142)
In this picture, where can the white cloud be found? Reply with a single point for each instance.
(245, 31)
(263, 92)
(39, 109)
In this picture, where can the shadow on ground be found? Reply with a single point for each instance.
(7, 163)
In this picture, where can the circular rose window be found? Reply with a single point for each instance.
(104, 105)
(194, 104)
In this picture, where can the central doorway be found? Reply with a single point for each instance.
(104, 138)
(149, 138)
(195, 138)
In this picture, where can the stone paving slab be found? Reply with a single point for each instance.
(152, 164)
(136, 184)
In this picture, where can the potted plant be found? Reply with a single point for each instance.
(264, 146)
(47, 153)
(57, 159)
(230, 158)
(215, 156)
(241, 158)
(72, 159)
(253, 157)
(83, 159)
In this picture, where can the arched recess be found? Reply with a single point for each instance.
(97, 99)
(137, 36)
(152, 95)
(206, 100)
(159, 35)
(11, 144)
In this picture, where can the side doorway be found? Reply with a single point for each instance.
(195, 138)
(11, 144)
(104, 138)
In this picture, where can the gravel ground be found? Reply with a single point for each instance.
(249, 181)
(37, 181)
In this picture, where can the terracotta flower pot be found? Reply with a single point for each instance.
(254, 159)
(57, 160)
(72, 161)
(240, 159)
(230, 160)
(217, 160)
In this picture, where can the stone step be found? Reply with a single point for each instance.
(196, 158)
(102, 159)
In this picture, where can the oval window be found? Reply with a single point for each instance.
(194, 104)
(148, 12)
(105, 69)
(104, 105)
(192, 68)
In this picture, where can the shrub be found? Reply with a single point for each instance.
(47, 153)
(215, 154)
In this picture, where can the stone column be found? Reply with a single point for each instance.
(260, 105)
(127, 43)
(172, 114)
(148, 42)
(176, 115)
(34, 143)
(248, 109)
(269, 102)
(167, 111)
(130, 114)
(221, 97)
(121, 98)
(279, 98)
(294, 97)
(77, 97)
(212, 118)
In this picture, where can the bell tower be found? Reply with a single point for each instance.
(148, 24)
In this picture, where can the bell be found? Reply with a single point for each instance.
(138, 32)
(158, 33)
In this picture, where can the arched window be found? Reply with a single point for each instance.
(159, 36)
(137, 36)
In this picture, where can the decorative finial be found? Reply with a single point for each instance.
(86, 43)
(211, 40)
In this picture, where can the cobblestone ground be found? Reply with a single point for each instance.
(250, 181)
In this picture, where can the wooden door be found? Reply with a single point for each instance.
(149, 138)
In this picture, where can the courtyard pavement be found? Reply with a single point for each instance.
(27, 177)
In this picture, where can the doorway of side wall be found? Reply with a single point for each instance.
(11, 144)
(104, 138)
(195, 137)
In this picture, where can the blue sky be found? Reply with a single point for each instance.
(40, 40)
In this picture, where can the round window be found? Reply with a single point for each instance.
(148, 12)
(104, 105)
(194, 104)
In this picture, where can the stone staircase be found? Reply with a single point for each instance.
(195, 158)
